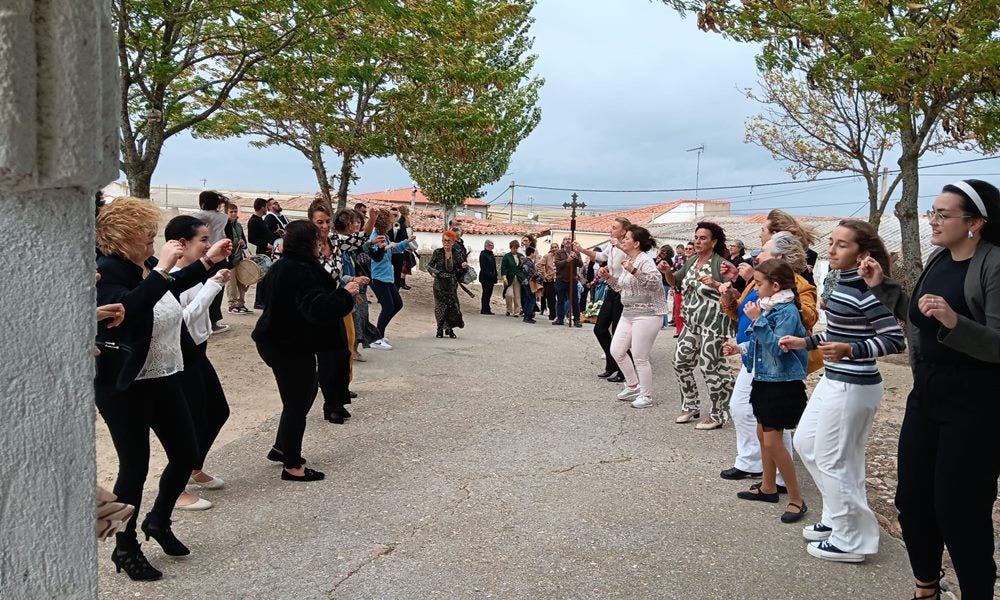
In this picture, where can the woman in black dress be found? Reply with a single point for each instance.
(447, 266)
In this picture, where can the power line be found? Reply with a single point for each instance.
(743, 186)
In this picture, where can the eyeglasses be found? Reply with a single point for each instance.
(937, 217)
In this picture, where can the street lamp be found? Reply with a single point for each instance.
(697, 172)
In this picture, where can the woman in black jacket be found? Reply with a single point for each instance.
(303, 315)
(137, 385)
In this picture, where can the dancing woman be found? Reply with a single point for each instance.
(447, 266)
(834, 428)
(705, 328)
(948, 461)
(137, 385)
(303, 316)
(640, 288)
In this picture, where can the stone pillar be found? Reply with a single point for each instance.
(59, 96)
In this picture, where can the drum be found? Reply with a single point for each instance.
(252, 269)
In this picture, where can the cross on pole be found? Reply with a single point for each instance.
(573, 299)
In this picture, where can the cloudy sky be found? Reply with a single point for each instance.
(629, 87)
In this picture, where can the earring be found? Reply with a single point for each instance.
(970, 234)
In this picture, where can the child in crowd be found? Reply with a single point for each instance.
(778, 393)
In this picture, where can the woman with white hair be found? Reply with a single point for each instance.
(788, 247)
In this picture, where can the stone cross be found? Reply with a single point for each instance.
(59, 110)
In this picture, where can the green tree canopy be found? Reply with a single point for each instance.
(933, 64)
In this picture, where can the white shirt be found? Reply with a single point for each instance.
(164, 357)
(612, 255)
(195, 302)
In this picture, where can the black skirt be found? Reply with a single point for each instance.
(778, 404)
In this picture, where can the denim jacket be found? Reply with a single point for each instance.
(762, 356)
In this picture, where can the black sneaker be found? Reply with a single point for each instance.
(817, 532)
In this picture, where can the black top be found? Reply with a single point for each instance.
(258, 234)
(122, 281)
(303, 308)
(811, 257)
(487, 267)
(945, 278)
(273, 224)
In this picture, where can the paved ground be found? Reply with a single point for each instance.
(498, 466)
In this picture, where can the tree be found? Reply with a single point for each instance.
(332, 90)
(933, 64)
(180, 61)
(477, 98)
(829, 130)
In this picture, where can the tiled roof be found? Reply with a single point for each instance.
(403, 195)
(639, 216)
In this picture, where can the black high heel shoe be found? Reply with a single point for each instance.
(164, 537)
(135, 564)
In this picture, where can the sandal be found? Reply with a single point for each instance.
(934, 587)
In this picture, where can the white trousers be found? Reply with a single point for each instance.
(747, 444)
(636, 333)
(831, 440)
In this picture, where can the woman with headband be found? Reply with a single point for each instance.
(948, 460)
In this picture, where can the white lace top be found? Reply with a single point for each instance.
(642, 293)
(164, 356)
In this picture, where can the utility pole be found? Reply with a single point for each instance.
(203, 182)
(510, 218)
(697, 171)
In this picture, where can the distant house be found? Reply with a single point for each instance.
(472, 206)
(594, 230)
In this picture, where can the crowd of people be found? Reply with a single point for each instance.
(159, 311)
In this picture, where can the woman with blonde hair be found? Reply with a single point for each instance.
(779, 220)
(137, 386)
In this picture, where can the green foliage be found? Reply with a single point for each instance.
(476, 98)
(180, 61)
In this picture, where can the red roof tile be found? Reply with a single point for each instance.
(639, 216)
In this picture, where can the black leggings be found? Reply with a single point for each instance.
(157, 405)
(295, 375)
(948, 465)
(389, 302)
(206, 400)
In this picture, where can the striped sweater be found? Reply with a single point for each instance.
(855, 316)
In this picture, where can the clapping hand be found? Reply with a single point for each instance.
(931, 305)
(220, 250)
(871, 271)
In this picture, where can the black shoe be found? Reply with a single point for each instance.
(578, 324)
(530, 321)
(781, 489)
(734, 473)
(334, 418)
(558, 322)
(450, 333)
(552, 317)
(605, 374)
(404, 287)
(439, 334)
(343, 412)
(164, 537)
(309, 475)
(677, 335)
(757, 495)
(352, 394)
(791, 516)
(486, 312)
(135, 564)
(274, 456)
(617, 378)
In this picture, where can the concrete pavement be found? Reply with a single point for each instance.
(467, 473)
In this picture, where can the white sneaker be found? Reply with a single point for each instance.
(828, 551)
(816, 532)
(628, 393)
(381, 345)
(642, 402)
